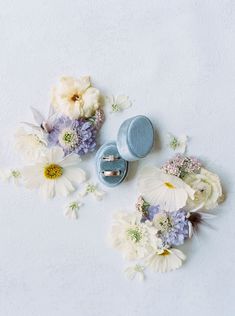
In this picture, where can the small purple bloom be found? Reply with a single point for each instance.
(74, 136)
(172, 227)
(181, 165)
(152, 211)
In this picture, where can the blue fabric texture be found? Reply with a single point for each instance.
(135, 138)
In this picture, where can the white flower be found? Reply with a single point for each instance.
(8, 175)
(30, 144)
(92, 189)
(118, 103)
(178, 144)
(71, 210)
(75, 97)
(136, 271)
(164, 260)
(167, 191)
(131, 237)
(208, 190)
(54, 174)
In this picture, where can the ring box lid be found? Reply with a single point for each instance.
(135, 138)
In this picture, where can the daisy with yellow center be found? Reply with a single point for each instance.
(168, 191)
(165, 260)
(54, 174)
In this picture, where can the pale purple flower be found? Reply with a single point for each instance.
(181, 165)
(74, 136)
(172, 227)
(152, 211)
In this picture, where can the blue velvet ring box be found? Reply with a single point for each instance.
(134, 141)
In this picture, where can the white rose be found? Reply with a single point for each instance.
(208, 189)
(75, 98)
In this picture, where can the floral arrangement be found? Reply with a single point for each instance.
(173, 202)
(52, 146)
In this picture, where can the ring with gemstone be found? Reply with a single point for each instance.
(111, 173)
(111, 158)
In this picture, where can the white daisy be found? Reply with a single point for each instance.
(118, 103)
(178, 144)
(136, 271)
(75, 97)
(131, 237)
(165, 260)
(30, 144)
(167, 191)
(54, 174)
(13, 175)
(92, 189)
(71, 210)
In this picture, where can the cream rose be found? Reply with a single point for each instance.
(75, 98)
(208, 190)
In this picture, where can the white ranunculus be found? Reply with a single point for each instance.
(208, 190)
(75, 98)
(133, 238)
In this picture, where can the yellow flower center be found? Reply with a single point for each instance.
(53, 171)
(169, 185)
(165, 253)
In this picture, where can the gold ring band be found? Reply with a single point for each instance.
(111, 173)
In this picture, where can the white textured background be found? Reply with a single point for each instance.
(176, 59)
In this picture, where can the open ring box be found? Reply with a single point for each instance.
(134, 141)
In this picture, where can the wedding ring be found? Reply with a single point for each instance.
(111, 173)
(110, 158)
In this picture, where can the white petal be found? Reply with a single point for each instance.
(70, 160)
(123, 102)
(38, 117)
(47, 189)
(91, 101)
(63, 186)
(109, 100)
(75, 174)
(55, 154)
(83, 83)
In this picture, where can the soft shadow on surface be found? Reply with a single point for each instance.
(157, 146)
(132, 170)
